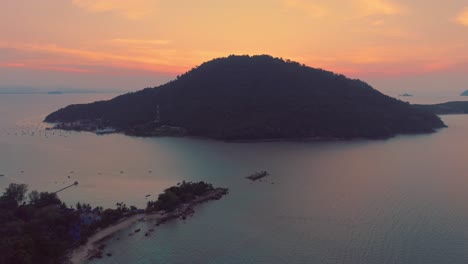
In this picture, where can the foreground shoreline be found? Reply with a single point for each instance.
(92, 247)
(82, 253)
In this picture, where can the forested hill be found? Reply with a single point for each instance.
(258, 97)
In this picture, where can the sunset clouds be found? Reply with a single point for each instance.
(379, 7)
(314, 9)
(79, 60)
(347, 9)
(462, 18)
(360, 38)
(142, 41)
(134, 9)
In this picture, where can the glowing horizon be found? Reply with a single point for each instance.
(99, 39)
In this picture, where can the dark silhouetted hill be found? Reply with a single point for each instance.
(258, 97)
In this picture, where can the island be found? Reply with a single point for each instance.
(449, 108)
(253, 98)
(465, 93)
(406, 95)
(55, 92)
(39, 228)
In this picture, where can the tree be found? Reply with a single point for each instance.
(15, 192)
(34, 197)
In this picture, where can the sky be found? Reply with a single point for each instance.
(395, 45)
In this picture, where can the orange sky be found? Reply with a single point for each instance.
(132, 44)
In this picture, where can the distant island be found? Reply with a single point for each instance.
(449, 108)
(406, 95)
(253, 98)
(465, 93)
(55, 92)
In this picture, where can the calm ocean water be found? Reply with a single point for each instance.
(400, 201)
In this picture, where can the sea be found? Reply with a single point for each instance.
(402, 200)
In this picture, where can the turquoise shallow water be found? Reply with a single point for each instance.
(401, 200)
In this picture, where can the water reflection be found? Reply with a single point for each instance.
(400, 200)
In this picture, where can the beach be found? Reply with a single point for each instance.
(82, 253)
(94, 245)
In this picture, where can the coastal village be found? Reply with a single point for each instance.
(154, 128)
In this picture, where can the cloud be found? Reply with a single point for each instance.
(312, 9)
(345, 10)
(11, 65)
(134, 9)
(379, 7)
(44, 66)
(437, 66)
(54, 57)
(142, 41)
(377, 22)
(462, 18)
(85, 54)
(59, 68)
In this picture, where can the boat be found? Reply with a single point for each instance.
(107, 130)
(257, 175)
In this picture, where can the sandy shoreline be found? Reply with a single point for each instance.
(81, 254)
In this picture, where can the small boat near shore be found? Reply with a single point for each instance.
(104, 131)
(258, 175)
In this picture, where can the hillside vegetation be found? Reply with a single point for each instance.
(251, 98)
